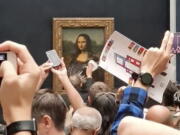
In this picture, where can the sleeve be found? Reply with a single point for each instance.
(132, 104)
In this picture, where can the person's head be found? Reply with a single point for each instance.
(96, 88)
(176, 98)
(168, 94)
(83, 43)
(105, 103)
(76, 81)
(86, 121)
(160, 114)
(49, 110)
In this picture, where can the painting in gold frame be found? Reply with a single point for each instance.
(65, 32)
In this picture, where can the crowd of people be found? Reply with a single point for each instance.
(94, 108)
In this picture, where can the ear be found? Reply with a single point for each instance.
(46, 121)
(81, 84)
(96, 132)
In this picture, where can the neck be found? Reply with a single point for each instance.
(82, 132)
(56, 132)
(84, 51)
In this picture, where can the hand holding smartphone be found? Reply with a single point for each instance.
(95, 65)
(10, 56)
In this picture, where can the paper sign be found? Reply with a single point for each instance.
(122, 56)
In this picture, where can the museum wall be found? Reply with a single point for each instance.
(30, 21)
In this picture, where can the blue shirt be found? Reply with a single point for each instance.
(132, 104)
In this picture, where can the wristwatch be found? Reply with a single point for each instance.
(146, 79)
(27, 125)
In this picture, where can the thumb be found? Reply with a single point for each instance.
(7, 69)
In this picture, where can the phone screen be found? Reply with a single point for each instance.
(3, 56)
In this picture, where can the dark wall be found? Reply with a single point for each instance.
(178, 30)
(30, 21)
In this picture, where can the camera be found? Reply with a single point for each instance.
(10, 56)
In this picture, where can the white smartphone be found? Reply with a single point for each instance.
(10, 56)
(95, 65)
(53, 57)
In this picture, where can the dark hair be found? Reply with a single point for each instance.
(105, 103)
(176, 98)
(88, 43)
(96, 88)
(46, 102)
(169, 93)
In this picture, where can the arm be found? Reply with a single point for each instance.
(73, 95)
(89, 81)
(44, 68)
(132, 104)
(18, 88)
(136, 126)
(89, 70)
(154, 62)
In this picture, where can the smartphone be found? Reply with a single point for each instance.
(53, 57)
(95, 65)
(176, 43)
(10, 56)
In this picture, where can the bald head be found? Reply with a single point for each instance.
(87, 118)
(159, 113)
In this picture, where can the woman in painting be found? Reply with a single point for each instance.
(81, 55)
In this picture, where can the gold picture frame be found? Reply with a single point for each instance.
(60, 25)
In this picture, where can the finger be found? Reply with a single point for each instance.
(169, 44)
(46, 68)
(20, 50)
(20, 63)
(8, 69)
(165, 41)
(62, 62)
(90, 65)
(151, 49)
(172, 55)
(53, 70)
(47, 65)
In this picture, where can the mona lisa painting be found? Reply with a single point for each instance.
(80, 40)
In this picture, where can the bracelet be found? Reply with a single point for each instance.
(27, 125)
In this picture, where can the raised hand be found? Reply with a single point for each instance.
(45, 69)
(18, 88)
(156, 59)
(60, 71)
